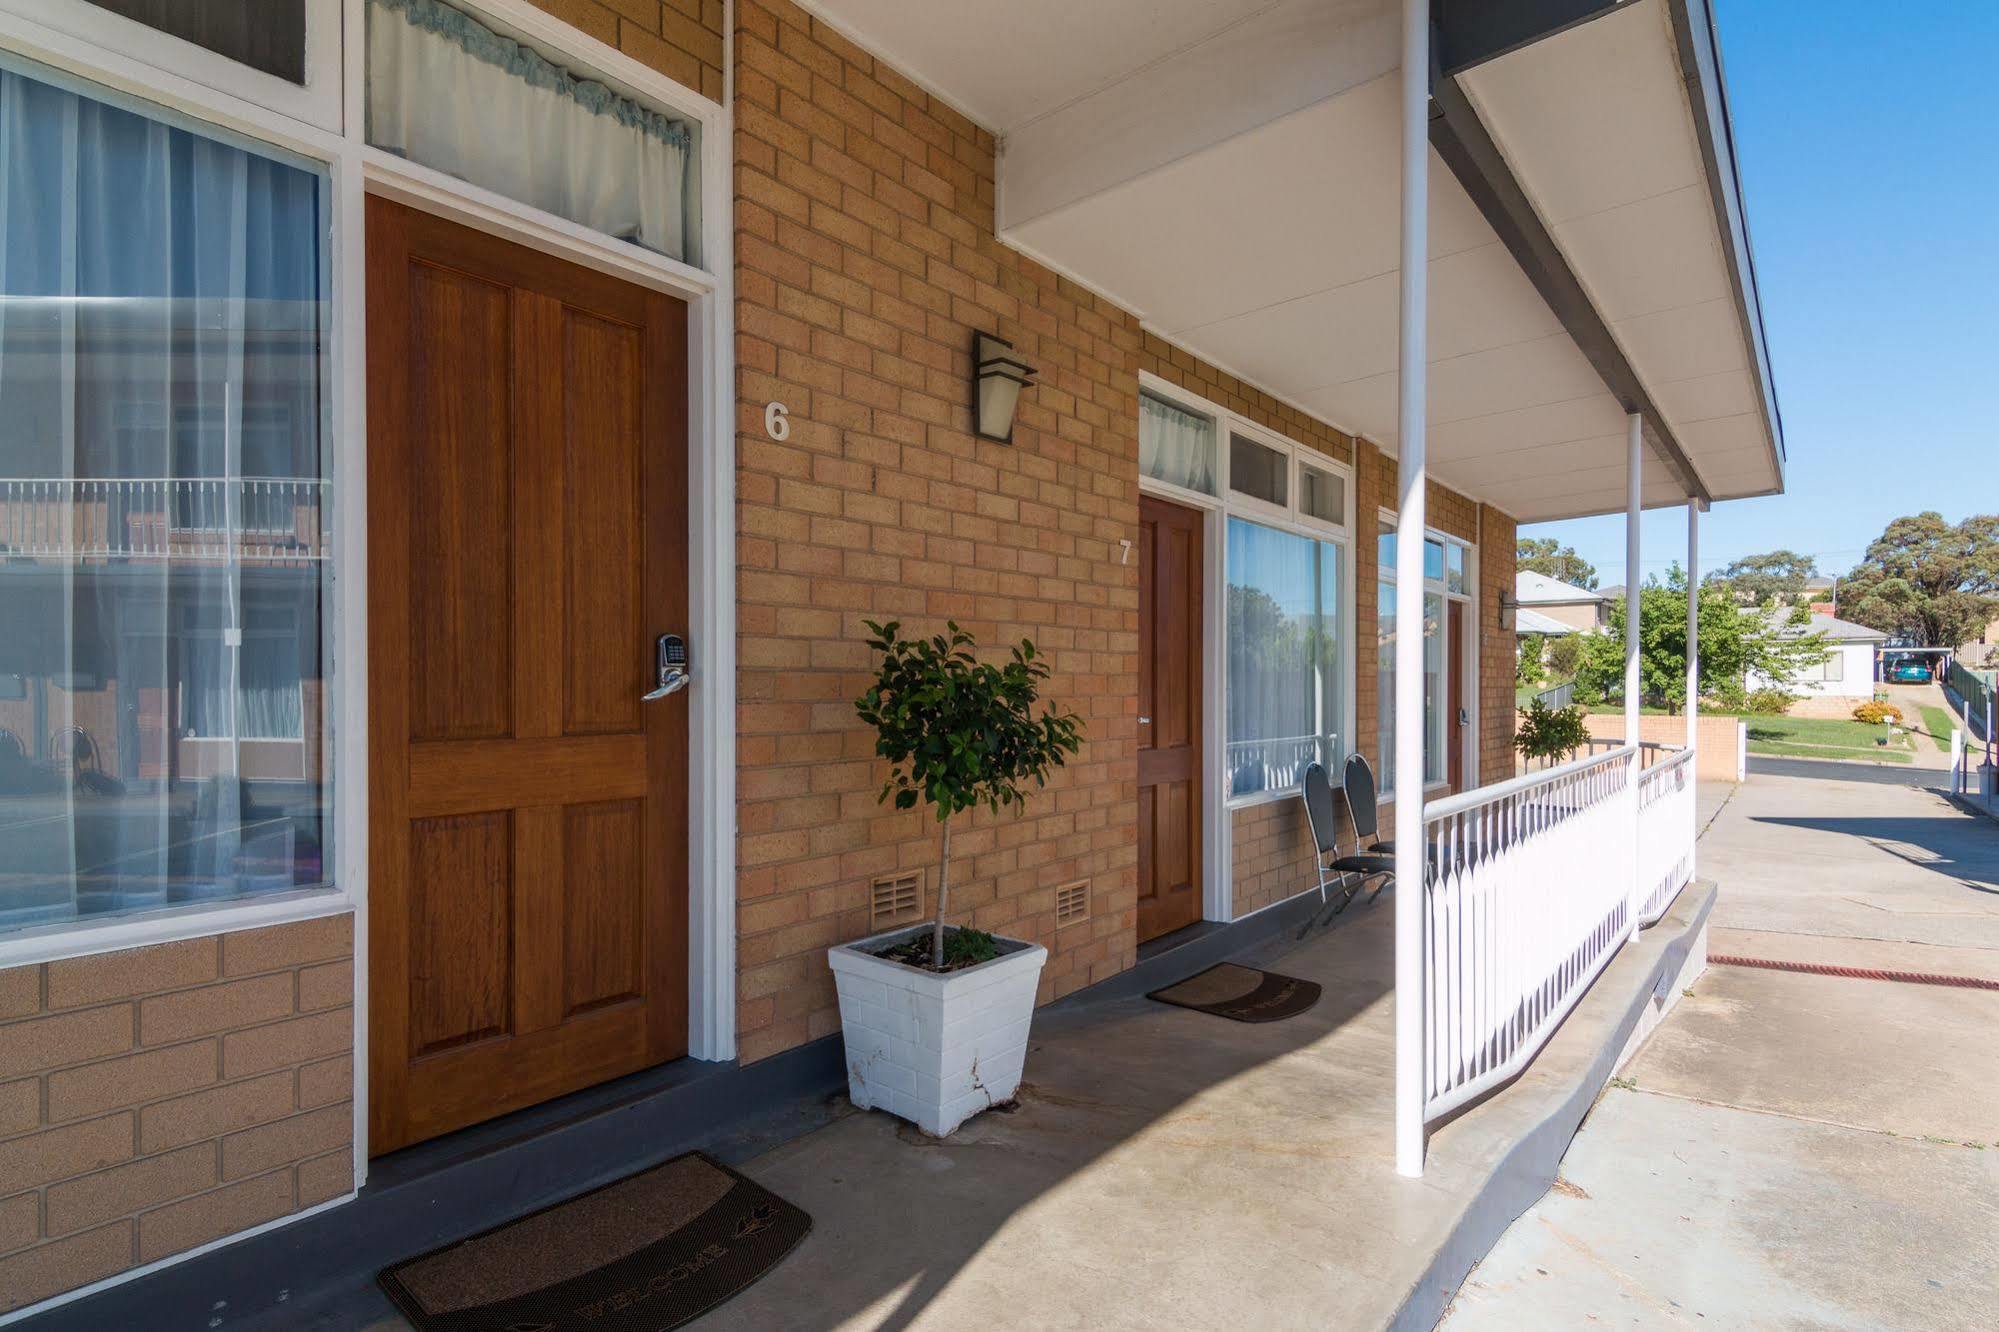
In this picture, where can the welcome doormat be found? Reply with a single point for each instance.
(645, 1253)
(1241, 994)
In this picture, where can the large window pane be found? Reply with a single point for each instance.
(1286, 707)
(163, 507)
(1175, 446)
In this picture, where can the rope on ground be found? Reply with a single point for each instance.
(1855, 973)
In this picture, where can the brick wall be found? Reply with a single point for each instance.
(1497, 646)
(1717, 739)
(866, 258)
(155, 1099)
(682, 39)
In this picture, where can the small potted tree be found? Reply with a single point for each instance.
(935, 1016)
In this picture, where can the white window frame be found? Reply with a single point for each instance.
(1218, 890)
(79, 40)
(317, 102)
(1459, 657)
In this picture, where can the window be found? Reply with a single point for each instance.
(1286, 667)
(267, 35)
(1321, 494)
(164, 481)
(1258, 471)
(1175, 446)
(1444, 580)
(448, 92)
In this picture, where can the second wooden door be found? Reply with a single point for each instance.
(1169, 721)
(528, 825)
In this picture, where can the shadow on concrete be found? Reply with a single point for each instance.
(1962, 849)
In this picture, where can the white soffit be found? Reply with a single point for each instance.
(1612, 162)
(1229, 170)
(1274, 255)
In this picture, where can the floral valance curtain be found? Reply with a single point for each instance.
(448, 92)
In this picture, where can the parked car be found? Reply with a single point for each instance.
(1908, 671)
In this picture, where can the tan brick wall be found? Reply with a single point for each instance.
(1717, 739)
(1496, 715)
(866, 258)
(682, 39)
(155, 1099)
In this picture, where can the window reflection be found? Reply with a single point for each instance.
(163, 509)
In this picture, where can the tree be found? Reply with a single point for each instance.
(1734, 642)
(1545, 555)
(1928, 580)
(958, 733)
(1775, 579)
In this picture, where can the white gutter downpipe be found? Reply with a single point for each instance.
(1412, 473)
(1633, 599)
(1693, 664)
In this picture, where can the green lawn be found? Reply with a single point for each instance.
(1779, 749)
(1815, 737)
(1939, 723)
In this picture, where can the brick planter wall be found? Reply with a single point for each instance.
(155, 1099)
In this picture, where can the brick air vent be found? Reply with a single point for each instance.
(895, 899)
(1072, 902)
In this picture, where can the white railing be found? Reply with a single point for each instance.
(1527, 895)
(192, 518)
(1665, 833)
(1276, 765)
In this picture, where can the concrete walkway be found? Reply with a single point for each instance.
(1795, 1150)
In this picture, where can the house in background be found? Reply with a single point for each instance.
(1576, 609)
(1847, 675)
(363, 457)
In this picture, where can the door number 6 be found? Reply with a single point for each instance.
(777, 421)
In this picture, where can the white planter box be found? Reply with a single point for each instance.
(934, 1049)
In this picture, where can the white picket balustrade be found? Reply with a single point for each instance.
(175, 518)
(1665, 833)
(1528, 894)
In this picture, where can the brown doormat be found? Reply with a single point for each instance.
(642, 1254)
(1242, 994)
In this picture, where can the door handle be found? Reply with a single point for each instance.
(670, 659)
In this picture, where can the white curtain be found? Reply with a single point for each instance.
(448, 92)
(153, 281)
(1175, 446)
(1286, 706)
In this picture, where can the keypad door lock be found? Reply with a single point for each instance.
(670, 659)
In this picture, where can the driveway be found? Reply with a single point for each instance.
(1791, 1149)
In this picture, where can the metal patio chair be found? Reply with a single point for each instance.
(1363, 803)
(1346, 874)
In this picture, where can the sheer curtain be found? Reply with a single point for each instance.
(155, 282)
(448, 92)
(1285, 701)
(1175, 446)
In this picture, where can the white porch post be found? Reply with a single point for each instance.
(1411, 474)
(1693, 665)
(1634, 445)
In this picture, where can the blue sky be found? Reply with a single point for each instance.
(1869, 142)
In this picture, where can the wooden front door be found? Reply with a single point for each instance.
(526, 543)
(1169, 717)
(1454, 671)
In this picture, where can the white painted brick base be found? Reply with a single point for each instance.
(932, 1049)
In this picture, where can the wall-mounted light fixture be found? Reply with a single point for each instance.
(999, 378)
(1509, 605)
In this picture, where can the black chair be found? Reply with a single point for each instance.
(1364, 805)
(1348, 873)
